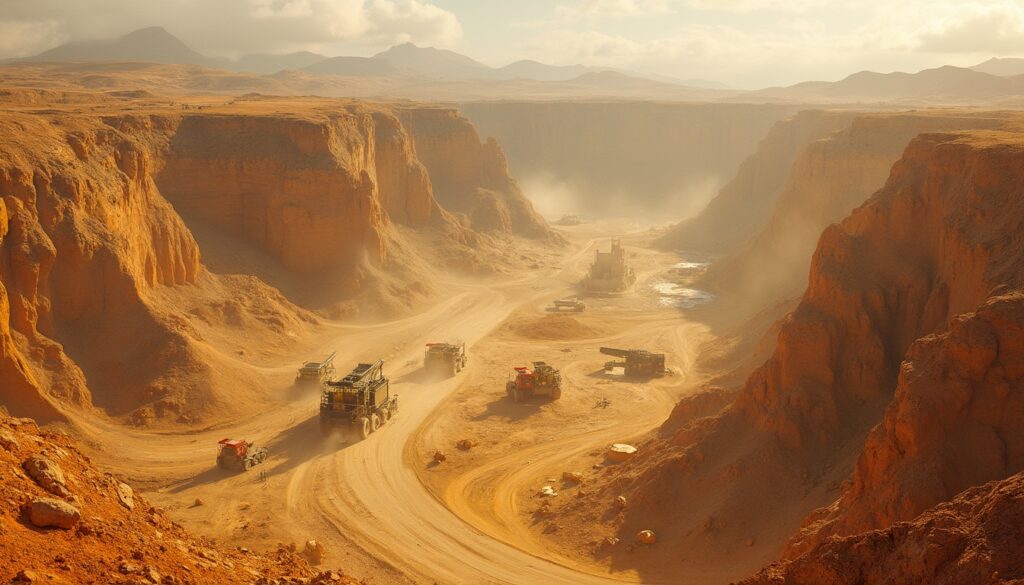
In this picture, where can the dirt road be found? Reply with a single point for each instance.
(364, 500)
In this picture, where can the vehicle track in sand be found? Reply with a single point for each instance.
(364, 500)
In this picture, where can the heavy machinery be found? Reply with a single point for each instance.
(360, 403)
(637, 362)
(542, 380)
(445, 357)
(610, 272)
(239, 454)
(316, 372)
(569, 303)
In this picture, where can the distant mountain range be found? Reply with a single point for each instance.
(428, 73)
(156, 45)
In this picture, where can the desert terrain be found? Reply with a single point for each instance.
(835, 286)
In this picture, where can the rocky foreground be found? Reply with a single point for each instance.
(64, 521)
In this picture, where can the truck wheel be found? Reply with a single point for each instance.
(246, 465)
(556, 394)
(221, 464)
(363, 427)
(385, 415)
(517, 396)
(374, 422)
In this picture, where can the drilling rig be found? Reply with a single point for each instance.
(635, 362)
(360, 403)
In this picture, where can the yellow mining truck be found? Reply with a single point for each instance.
(358, 404)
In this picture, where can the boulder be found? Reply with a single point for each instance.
(47, 474)
(620, 502)
(465, 444)
(7, 440)
(572, 477)
(620, 452)
(125, 495)
(440, 457)
(314, 551)
(646, 537)
(46, 512)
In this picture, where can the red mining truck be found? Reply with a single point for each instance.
(239, 455)
(542, 380)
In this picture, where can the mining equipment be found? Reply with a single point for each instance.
(449, 358)
(570, 303)
(636, 362)
(542, 380)
(316, 372)
(239, 454)
(610, 272)
(359, 403)
(570, 219)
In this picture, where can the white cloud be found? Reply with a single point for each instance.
(981, 29)
(611, 8)
(233, 27)
(23, 38)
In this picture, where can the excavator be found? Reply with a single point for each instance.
(635, 362)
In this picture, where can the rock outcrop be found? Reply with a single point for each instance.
(106, 201)
(975, 538)
(469, 177)
(743, 206)
(937, 256)
(90, 536)
(829, 178)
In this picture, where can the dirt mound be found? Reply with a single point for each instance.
(101, 530)
(554, 326)
(975, 538)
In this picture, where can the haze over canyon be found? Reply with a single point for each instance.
(400, 316)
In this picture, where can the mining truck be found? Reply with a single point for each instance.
(542, 380)
(316, 372)
(570, 303)
(358, 404)
(448, 358)
(636, 362)
(239, 454)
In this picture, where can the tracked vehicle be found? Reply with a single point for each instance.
(316, 372)
(358, 404)
(572, 304)
(447, 358)
(542, 380)
(239, 455)
(636, 362)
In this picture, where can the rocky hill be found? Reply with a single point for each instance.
(140, 236)
(64, 521)
(900, 369)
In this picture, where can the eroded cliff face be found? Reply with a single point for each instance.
(637, 159)
(105, 301)
(939, 240)
(318, 193)
(87, 237)
(743, 206)
(975, 538)
(828, 179)
(469, 177)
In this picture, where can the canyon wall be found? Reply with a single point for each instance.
(469, 177)
(941, 239)
(744, 204)
(105, 301)
(638, 159)
(828, 179)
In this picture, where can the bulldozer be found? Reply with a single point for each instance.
(570, 303)
(445, 357)
(239, 454)
(636, 362)
(525, 383)
(359, 404)
(316, 372)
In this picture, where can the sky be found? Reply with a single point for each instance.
(741, 43)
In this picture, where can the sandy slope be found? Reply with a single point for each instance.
(363, 500)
